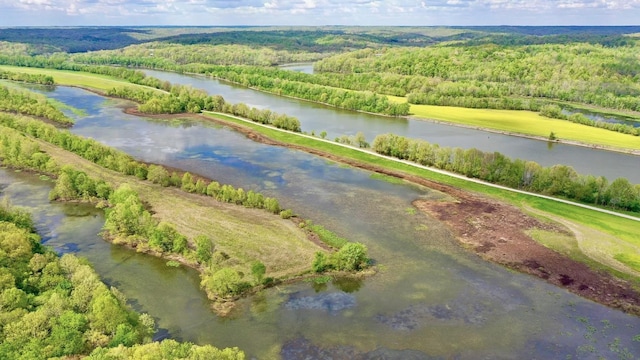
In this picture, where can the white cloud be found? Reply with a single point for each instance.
(319, 12)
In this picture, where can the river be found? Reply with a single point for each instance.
(431, 299)
(338, 122)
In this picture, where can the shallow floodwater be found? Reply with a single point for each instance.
(306, 68)
(602, 117)
(337, 122)
(430, 299)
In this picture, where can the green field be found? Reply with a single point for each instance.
(73, 78)
(526, 123)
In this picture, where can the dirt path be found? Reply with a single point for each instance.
(495, 231)
(598, 250)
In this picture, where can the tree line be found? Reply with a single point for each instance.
(264, 79)
(558, 180)
(183, 99)
(170, 56)
(30, 103)
(28, 78)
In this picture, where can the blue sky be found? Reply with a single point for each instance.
(318, 12)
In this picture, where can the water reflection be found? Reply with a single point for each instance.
(430, 299)
(602, 117)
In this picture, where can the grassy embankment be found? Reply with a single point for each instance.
(527, 123)
(624, 240)
(621, 234)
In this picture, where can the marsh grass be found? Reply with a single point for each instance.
(62, 106)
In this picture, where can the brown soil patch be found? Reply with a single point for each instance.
(496, 232)
(493, 230)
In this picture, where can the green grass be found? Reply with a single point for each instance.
(386, 178)
(525, 122)
(62, 106)
(327, 236)
(631, 260)
(73, 78)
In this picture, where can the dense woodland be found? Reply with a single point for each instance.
(460, 75)
(54, 306)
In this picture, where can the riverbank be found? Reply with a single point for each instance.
(506, 226)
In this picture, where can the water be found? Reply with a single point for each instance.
(431, 299)
(602, 117)
(336, 122)
(306, 68)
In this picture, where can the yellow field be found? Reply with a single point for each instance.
(73, 78)
(526, 123)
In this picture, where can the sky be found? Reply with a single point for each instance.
(318, 12)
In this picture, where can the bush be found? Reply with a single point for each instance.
(286, 214)
(224, 283)
(352, 257)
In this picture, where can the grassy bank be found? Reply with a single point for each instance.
(527, 123)
(621, 233)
